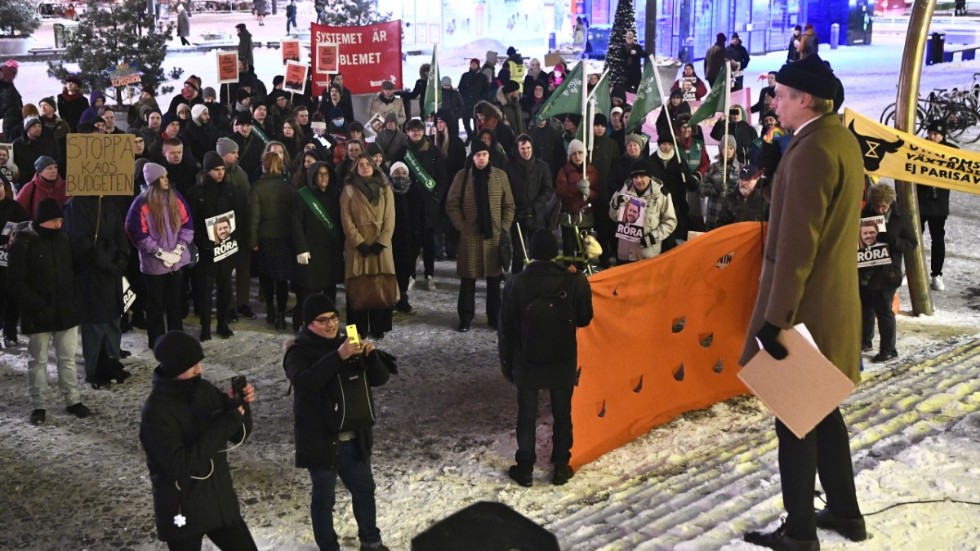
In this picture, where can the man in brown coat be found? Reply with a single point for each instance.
(809, 276)
(480, 205)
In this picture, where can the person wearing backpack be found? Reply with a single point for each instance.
(541, 308)
(332, 376)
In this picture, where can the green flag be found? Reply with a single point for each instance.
(567, 98)
(599, 101)
(433, 87)
(647, 97)
(715, 100)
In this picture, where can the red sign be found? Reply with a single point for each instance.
(367, 56)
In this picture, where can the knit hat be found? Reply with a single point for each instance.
(510, 87)
(677, 93)
(728, 140)
(197, 110)
(244, 117)
(399, 164)
(446, 81)
(810, 75)
(73, 78)
(209, 93)
(640, 171)
(391, 117)
(29, 122)
(576, 146)
(168, 119)
(664, 138)
(478, 146)
(475, 60)
(50, 101)
(616, 110)
(543, 245)
(374, 149)
(444, 115)
(938, 126)
(600, 120)
(212, 161)
(43, 162)
(637, 138)
(184, 107)
(193, 84)
(153, 172)
(316, 304)
(240, 26)
(177, 352)
(48, 209)
(720, 37)
(226, 146)
(242, 94)
(356, 127)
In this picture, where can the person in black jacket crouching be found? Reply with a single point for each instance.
(333, 429)
(536, 353)
(187, 428)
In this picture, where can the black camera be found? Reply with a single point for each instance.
(238, 390)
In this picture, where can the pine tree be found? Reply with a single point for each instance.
(624, 21)
(112, 34)
(349, 13)
(18, 18)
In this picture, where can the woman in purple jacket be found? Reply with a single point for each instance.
(159, 224)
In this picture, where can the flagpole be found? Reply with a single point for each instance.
(728, 103)
(590, 134)
(585, 89)
(436, 82)
(673, 135)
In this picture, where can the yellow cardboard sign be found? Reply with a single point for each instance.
(894, 154)
(100, 164)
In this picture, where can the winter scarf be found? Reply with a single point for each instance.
(481, 188)
(370, 186)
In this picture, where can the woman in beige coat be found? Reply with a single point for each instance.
(367, 213)
(481, 207)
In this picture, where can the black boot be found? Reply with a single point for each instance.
(281, 321)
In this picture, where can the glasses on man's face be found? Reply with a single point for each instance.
(326, 320)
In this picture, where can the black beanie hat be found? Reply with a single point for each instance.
(810, 75)
(478, 146)
(543, 245)
(212, 160)
(48, 209)
(177, 352)
(316, 304)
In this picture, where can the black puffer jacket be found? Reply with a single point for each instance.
(206, 200)
(96, 229)
(310, 363)
(541, 277)
(41, 276)
(186, 428)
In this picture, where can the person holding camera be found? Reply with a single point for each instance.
(188, 426)
(330, 372)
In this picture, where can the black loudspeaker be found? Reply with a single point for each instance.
(486, 526)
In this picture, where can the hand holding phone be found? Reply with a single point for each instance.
(238, 390)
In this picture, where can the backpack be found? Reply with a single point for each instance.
(350, 392)
(548, 330)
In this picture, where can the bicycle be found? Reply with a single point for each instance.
(958, 108)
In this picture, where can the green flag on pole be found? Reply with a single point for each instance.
(567, 98)
(599, 101)
(715, 100)
(647, 97)
(432, 87)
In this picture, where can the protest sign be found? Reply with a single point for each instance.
(290, 51)
(7, 166)
(100, 164)
(5, 236)
(870, 252)
(629, 220)
(227, 67)
(128, 294)
(220, 229)
(125, 74)
(367, 56)
(295, 80)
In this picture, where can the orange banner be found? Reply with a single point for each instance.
(665, 338)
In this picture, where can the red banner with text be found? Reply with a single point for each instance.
(366, 56)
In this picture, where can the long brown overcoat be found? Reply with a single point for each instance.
(367, 223)
(477, 257)
(809, 268)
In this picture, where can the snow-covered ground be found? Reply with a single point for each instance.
(445, 435)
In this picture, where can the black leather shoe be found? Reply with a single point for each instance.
(246, 312)
(562, 475)
(520, 476)
(99, 383)
(884, 357)
(205, 335)
(463, 327)
(779, 540)
(79, 410)
(38, 417)
(225, 332)
(851, 528)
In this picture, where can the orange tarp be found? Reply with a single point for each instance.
(665, 338)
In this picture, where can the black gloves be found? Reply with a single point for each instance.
(376, 248)
(886, 238)
(364, 249)
(767, 336)
(648, 240)
(621, 200)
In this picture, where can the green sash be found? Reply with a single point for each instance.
(420, 174)
(318, 211)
